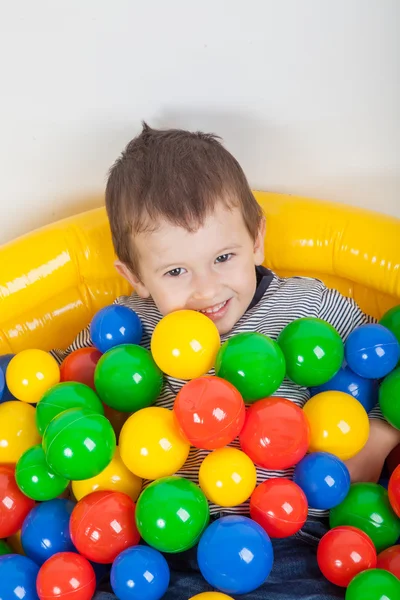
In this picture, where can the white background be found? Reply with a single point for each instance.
(305, 93)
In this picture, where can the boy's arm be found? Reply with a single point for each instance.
(345, 315)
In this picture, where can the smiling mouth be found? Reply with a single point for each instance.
(214, 309)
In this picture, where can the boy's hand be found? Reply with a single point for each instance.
(367, 465)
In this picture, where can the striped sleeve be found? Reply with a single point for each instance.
(345, 315)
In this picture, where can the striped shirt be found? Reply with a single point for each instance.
(277, 302)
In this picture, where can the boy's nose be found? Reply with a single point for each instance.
(205, 288)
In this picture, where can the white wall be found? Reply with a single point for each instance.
(306, 94)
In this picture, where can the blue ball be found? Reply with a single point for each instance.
(345, 380)
(235, 555)
(2, 383)
(115, 325)
(372, 351)
(4, 361)
(140, 572)
(45, 530)
(324, 479)
(18, 578)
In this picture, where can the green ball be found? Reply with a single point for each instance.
(36, 479)
(374, 584)
(127, 378)
(367, 507)
(64, 396)
(79, 443)
(313, 351)
(5, 548)
(391, 320)
(389, 398)
(253, 363)
(171, 514)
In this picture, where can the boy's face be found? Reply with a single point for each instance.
(211, 270)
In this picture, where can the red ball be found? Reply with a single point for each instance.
(275, 434)
(280, 506)
(66, 576)
(80, 366)
(344, 552)
(14, 505)
(103, 524)
(394, 490)
(389, 560)
(210, 412)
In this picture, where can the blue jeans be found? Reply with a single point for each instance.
(294, 576)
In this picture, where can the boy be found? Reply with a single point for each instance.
(189, 234)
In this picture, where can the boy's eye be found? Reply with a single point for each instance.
(175, 272)
(223, 258)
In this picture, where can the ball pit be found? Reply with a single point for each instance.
(18, 576)
(66, 576)
(30, 374)
(45, 531)
(127, 378)
(171, 514)
(18, 430)
(338, 424)
(80, 366)
(140, 572)
(275, 434)
(222, 553)
(372, 351)
(210, 412)
(103, 524)
(253, 363)
(184, 344)
(14, 505)
(374, 584)
(115, 325)
(36, 479)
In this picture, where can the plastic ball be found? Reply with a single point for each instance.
(338, 424)
(235, 555)
(313, 351)
(14, 541)
(151, 444)
(18, 578)
(210, 412)
(30, 374)
(391, 320)
(115, 325)
(324, 479)
(14, 505)
(171, 514)
(46, 530)
(127, 378)
(389, 398)
(344, 552)
(66, 576)
(372, 351)
(17, 430)
(4, 362)
(80, 366)
(363, 390)
(275, 434)
(367, 507)
(211, 596)
(184, 344)
(394, 490)
(373, 584)
(140, 572)
(36, 479)
(64, 396)
(389, 560)
(115, 477)
(4, 548)
(103, 524)
(279, 506)
(2, 384)
(253, 363)
(79, 443)
(227, 477)
(116, 418)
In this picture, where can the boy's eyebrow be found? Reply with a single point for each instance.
(174, 265)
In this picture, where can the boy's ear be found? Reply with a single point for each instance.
(259, 244)
(132, 279)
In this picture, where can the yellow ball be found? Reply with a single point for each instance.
(30, 374)
(227, 476)
(211, 596)
(17, 430)
(338, 424)
(116, 477)
(151, 445)
(185, 344)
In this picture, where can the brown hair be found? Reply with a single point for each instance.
(175, 175)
